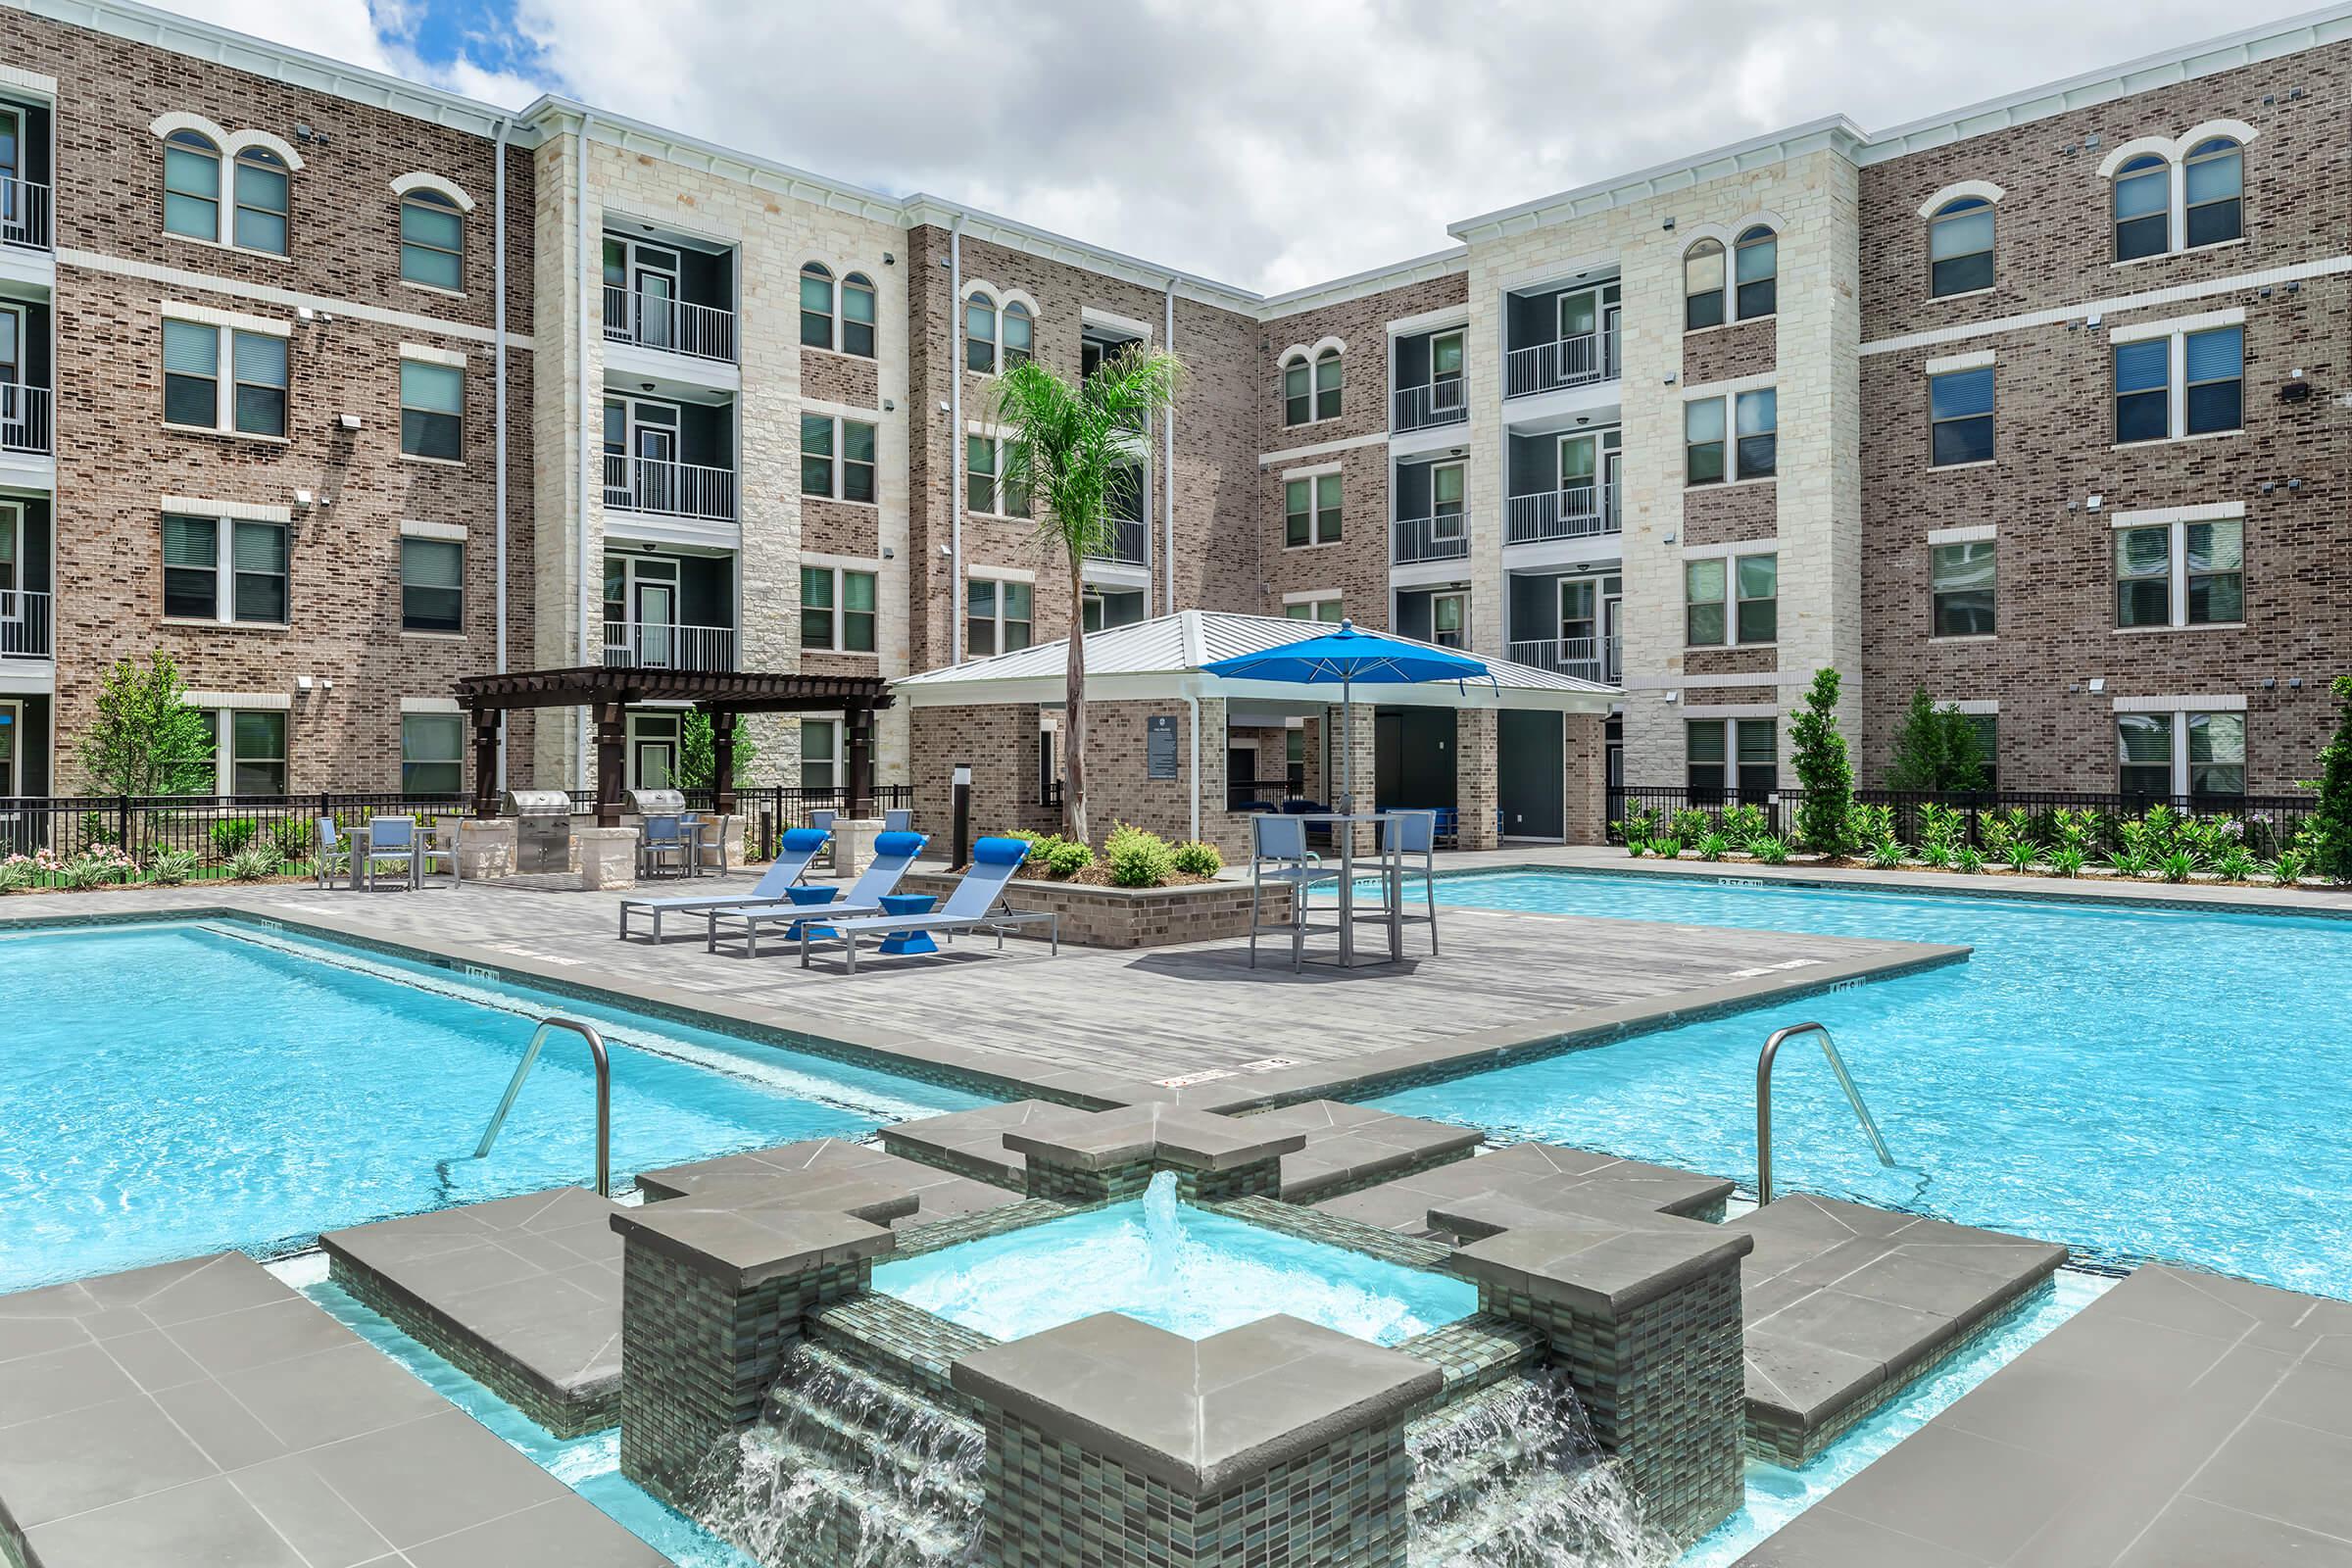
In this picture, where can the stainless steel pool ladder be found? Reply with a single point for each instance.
(604, 1095)
(1845, 1081)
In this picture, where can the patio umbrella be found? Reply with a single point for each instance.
(1347, 656)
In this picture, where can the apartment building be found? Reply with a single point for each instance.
(254, 351)
(2035, 406)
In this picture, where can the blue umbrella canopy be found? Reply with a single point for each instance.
(1347, 656)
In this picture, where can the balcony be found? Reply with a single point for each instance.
(1445, 537)
(672, 326)
(1567, 361)
(1426, 408)
(25, 215)
(23, 625)
(668, 489)
(1578, 512)
(25, 418)
(642, 645)
(1593, 659)
(1126, 544)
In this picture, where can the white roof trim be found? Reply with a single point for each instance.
(1982, 189)
(422, 179)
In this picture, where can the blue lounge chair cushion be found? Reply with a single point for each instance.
(999, 851)
(805, 840)
(898, 843)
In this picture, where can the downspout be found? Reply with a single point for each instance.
(1167, 502)
(1192, 700)
(955, 441)
(498, 359)
(579, 347)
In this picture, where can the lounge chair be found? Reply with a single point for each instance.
(791, 864)
(971, 907)
(897, 821)
(894, 853)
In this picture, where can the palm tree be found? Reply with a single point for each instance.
(1073, 449)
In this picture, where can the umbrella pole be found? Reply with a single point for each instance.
(1346, 744)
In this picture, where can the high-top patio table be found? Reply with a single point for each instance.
(1391, 876)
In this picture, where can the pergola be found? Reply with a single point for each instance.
(608, 691)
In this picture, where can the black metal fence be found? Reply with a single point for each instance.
(2267, 823)
(199, 837)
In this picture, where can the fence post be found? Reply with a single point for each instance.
(121, 823)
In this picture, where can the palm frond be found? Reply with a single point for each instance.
(1071, 448)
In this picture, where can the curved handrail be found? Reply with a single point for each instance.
(604, 1095)
(1845, 1081)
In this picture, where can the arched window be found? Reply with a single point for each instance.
(1756, 267)
(980, 334)
(817, 306)
(858, 316)
(1297, 390)
(2214, 179)
(1327, 385)
(1020, 336)
(1960, 247)
(432, 240)
(263, 188)
(1703, 285)
(191, 187)
(2143, 208)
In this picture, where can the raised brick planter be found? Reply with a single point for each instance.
(1131, 918)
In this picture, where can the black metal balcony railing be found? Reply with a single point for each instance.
(1445, 537)
(1567, 361)
(674, 326)
(1425, 408)
(670, 489)
(1128, 539)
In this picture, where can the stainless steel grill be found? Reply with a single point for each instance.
(542, 829)
(656, 802)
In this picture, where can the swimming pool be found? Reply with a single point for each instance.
(2131, 1082)
(175, 1087)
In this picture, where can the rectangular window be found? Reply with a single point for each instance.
(1297, 406)
(2144, 748)
(837, 610)
(257, 750)
(2143, 390)
(1960, 248)
(856, 460)
(997, 616)
(192, 568)
(1311, 511)
(1962, 584)
(816, 607)
(829, 445)
(191, 191)
(1317, 610)
(251, 400)
(1760, 433)
(2207, 368)
(857, 316)
(816, 455)
(2143, 576)
(1704, 760)
(1327, 387)
(431, 754)
(1759, 757)
(1702, 602)
(1702, 441)
(432, 403)
(2215, 554)
(1960, 416)
(821, 754)
(2199, 755)
(199, 578)
(1757, 578)
(2180, 574)
(258, 569)
(986, 488)
(262, 192)
(432, 242)
(432, 585)
(2217, 753)
(2214, 367)
(1446, 500)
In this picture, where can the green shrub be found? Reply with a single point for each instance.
(2019, 855)
(292, 839)
(1667, 849)
(2291, 868)
(1196, 858)
(231, 834)
(17, 873)
(1744, 822)
(1935, 857)
(2178, 866)
(1940, 828)
(2067, 859)
(2234, 864)
(1935, 749)
(1689, 824)
(2003, 831)
(1138, 858)
(1066, 859)
(1823, 770)
(1768, 849)
(1640, 823)
(1636, 847)
(1884, 853)
(1969, 859)
(255, 862)
(1713, 846)
(2329, 830)
(95, 866)
(171, 867)
(2128, 862)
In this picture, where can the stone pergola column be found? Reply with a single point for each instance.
(723, 759)
(611, 762)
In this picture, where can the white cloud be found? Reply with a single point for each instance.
(1272, 145)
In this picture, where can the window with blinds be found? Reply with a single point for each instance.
(432, 585)
(253, 399)
(192, 568)
(258, 566)
(432, 403)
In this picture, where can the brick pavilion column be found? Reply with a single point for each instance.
(1477, 785)
(1585, 791)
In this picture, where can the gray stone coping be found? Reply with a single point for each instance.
(529, 1285)
(743, 1244)
(1202, 1416)
(1350, 1145)
(1162, 1135)
(2182, 1418)
(748, 1178)
(1599, 1268)
(1843, 1301)
(204, 1412)
(972, 1143)
(1549, 1177)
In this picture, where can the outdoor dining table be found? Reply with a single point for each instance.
(1390, 910)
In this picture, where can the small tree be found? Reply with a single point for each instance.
(698, 757)
(1935, 749)
(1823, 769)
(144, 737)
(2330, 828)
(1071, 449)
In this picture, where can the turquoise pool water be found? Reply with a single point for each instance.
(179, 1088)
(2134, 1083)
(1181, 1268)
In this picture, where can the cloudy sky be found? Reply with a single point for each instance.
(1270, 143)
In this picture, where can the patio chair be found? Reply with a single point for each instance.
(1279, 856)
(662, 840)
(897, 821)
(430, 850)
(971, 906)
(390, 839)
(894, 854)
(1405, 833)
(825, 820)
(791, 864)
(334, 854)
(705, 841)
